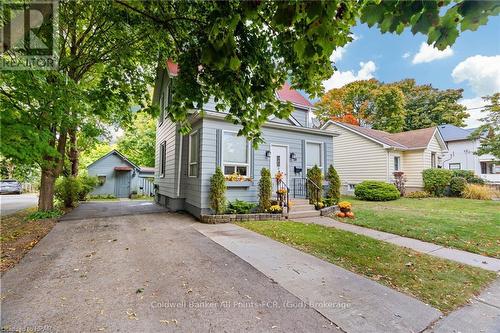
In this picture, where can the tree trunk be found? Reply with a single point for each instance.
(50, 172)
(73, 153)
(47, 184)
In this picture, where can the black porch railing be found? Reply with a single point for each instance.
(306, 188)
(283, 195)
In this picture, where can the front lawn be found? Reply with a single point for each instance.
(470, 225)
(441, 283)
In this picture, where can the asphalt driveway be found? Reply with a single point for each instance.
(148, 271)
(12, 203)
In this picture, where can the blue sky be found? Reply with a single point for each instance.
(472, 63)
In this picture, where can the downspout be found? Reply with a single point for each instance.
(179, 165)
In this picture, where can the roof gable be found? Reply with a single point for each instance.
(288, 94)
(117, 153)
(416, 139)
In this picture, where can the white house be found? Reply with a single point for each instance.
(361, 153)
(461, 154)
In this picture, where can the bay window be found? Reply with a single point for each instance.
(194, 152)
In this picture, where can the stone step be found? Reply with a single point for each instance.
(301, 208)
(299, 201)
(307, 213)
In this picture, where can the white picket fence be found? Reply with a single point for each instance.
(146, 186)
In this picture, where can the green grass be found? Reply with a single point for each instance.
(470, 225)
(441, 283)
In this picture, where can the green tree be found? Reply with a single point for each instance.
(426, 106)
(315, 191)
(489, 133)
(240, 53)
(139, 139)
(389, 113)
(334, 185)
(218, 192)
(265, 189)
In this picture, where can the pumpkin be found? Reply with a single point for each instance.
(340, 214)
(349, 215)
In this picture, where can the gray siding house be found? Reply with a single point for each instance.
(119, 177)
(185, 163)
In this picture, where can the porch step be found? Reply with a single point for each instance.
(299, 202)
(306, 213)
(300, 207)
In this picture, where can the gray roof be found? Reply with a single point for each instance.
(454, 133)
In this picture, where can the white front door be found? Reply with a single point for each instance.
(279, 161)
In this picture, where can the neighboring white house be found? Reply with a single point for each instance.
(362, 153)
(461, 154)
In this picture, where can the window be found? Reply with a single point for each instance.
(351, 187)
(397, 163)
(433, 160)
(101, 180)
(313, 154)
(235, 154)
(163, 152)
(484, 170)
(455, 166)
(194, 150)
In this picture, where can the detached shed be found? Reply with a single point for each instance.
(120, 177)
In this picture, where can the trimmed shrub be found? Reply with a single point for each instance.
(333, 194)
(418, 195)
(265, 190)
(315, 175)
(67, 190)
(240, 207)
(88, 183)
(457, 185)
(436, 180)
(372, 190)
(476, 180)
(479, 192)
(218, 192)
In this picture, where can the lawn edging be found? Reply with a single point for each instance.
(230, 218)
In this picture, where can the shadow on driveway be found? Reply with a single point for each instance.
(91, 210)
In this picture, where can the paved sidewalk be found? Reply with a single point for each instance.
(481, 315)
(463, 257)
(352, 302)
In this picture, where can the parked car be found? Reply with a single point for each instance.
(10, 186)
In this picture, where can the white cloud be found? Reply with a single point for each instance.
(473, 106)
(340, 78)
(481, 72)
(339, 52)
(428, 53)
(406, 55)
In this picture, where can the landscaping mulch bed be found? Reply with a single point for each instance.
(19, 235)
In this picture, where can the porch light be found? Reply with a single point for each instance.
(268, 153)
(293, 156)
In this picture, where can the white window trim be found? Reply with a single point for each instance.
(163, 158)
(162, 109)
(455, 163)
(399, 163)
(190, 163)
(321, 153)
(234, 163)
(434, 160)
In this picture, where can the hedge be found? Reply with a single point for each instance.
(372, 190)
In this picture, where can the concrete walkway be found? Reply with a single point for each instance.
(481, 315)
(350, 301)
(463, 257)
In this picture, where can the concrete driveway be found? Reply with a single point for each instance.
(11, 203)
(148, 271)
